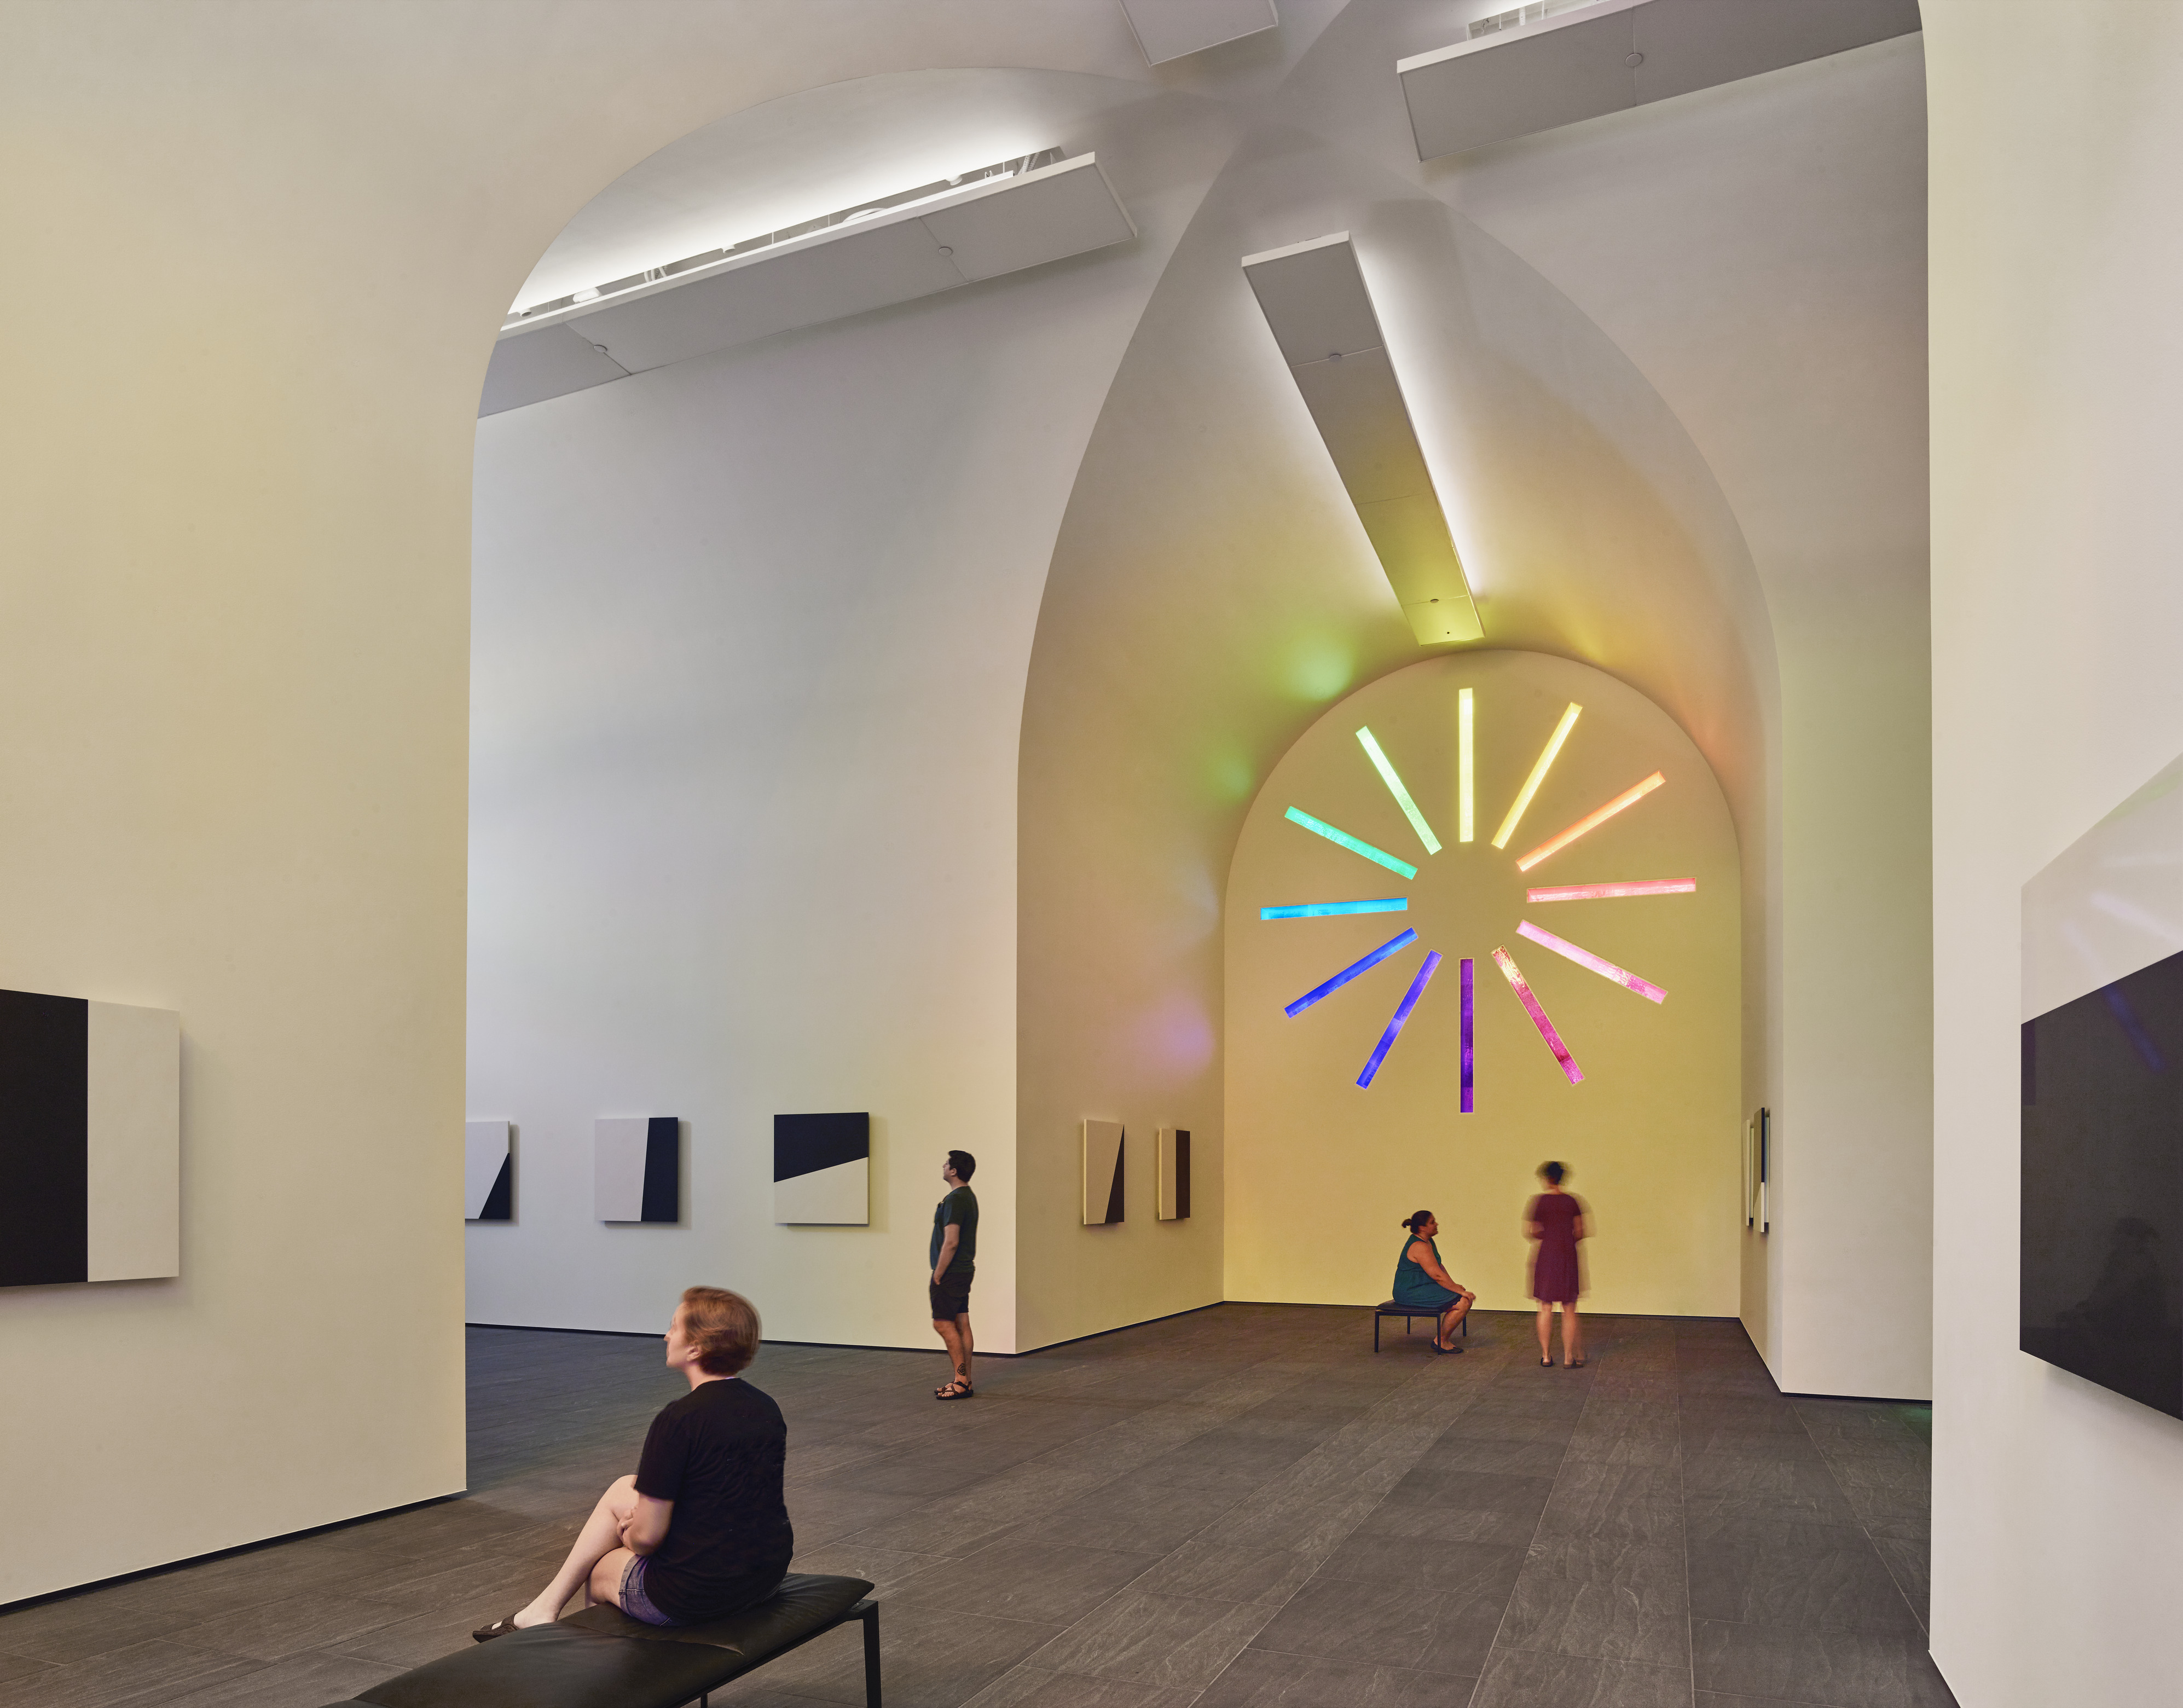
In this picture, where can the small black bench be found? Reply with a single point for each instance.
(600, 1658)
(1407, 1312)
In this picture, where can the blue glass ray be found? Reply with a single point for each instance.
(1328, 909)
(1401, 1015)
(1297, 816)
(1392, 946)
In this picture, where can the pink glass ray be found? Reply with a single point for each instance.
(1607, 891)
(1584, 957)
(1500, 958)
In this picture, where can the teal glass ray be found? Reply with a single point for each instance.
(1296, 815)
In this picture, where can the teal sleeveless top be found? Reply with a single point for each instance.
(1412, 1286)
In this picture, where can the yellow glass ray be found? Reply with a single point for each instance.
(1466, 827)
(1389, 775)
(1538, 775)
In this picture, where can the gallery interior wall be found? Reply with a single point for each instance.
(751, 635)
(2057, 374)
(237, 537)
(1321, 1170)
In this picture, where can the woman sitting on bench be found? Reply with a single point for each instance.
(1422, 1280)
(701, 1530)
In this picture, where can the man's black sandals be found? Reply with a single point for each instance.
(955, 1390)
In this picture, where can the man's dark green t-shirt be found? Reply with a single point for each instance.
(959, 1207)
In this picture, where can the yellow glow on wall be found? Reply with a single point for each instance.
(1465, 817)
(1538, 775)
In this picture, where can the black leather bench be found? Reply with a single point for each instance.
(1405, 1312)
(599, 1658)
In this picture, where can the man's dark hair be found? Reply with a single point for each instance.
(963, 1163)
(1551, 1172)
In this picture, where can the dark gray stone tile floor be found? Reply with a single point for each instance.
(1234, 1509)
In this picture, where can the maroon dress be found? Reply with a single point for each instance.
(1553, 1266)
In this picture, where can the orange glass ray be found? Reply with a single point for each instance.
(1590, 820)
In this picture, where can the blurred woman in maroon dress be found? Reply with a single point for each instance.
(1555, 1221)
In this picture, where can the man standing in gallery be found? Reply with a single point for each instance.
(954, 1263)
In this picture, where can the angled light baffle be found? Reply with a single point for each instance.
(822, 1169)
(488, 1172)
(1102, 1172)
(638, 1168)
(1314, 298)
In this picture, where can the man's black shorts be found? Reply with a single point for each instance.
(951, 1294)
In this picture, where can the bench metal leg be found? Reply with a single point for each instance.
(871, 1617)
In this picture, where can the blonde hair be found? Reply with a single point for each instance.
(723, 1325)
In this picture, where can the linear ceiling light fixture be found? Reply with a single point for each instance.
(1296, 815)
(1314, 298)
(1538, 775)
(1591, 821)
(927, 238)
(1550, 63)
(989, 176)
(1388, 775)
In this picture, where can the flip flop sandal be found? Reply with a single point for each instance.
(499, 1628)
(956, 1390)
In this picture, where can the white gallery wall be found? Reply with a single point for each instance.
(234, 556)
(750, 639)
(2058, 375)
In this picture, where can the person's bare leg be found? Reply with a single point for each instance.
(1572, 1334)
(605, 1581)
(600, 1537)
(962, 1364)
(1545, 1333)
(951, 1335)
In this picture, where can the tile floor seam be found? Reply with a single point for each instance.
(1864, 1528)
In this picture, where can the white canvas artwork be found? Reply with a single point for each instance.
(488, 1170)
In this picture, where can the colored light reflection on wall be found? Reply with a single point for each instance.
(1502, 959)
(1393, 778)
(1604, 891)
(1465, 971)
(1296, 815)
(1334, 909)
(1394, 945)
(1592, 820)
(1401, 1018)
(1598, 964)
(1538, 775)
(1466, 824)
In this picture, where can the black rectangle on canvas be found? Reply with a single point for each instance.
(2102, 1187)
(45, 1168)
(1182, 1174)
(662, 1169)
(805, 1143)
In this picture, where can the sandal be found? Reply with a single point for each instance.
(499, 1628)
(1575, 1363)
(1447, 1351)
(956, 1390)
(1545, 1364)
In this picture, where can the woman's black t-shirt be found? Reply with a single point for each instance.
(718, 1453)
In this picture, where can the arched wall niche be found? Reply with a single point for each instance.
(1320, 1169)
(1211, 593)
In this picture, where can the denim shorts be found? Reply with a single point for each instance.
(634, 1601)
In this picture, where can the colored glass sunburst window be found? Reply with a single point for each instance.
(1394, 947)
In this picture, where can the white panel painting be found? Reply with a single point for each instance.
(133, 1139)
(618, 1167)
(485, 1152)
(840, 1194)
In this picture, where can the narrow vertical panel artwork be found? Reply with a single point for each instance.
(638, 1168)
(89, 1141)
(822, 1169)
(1173, 1174)
(488, 1172)
(1102, 1172)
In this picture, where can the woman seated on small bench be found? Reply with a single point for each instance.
(1422, 1280)
(701, 1531)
